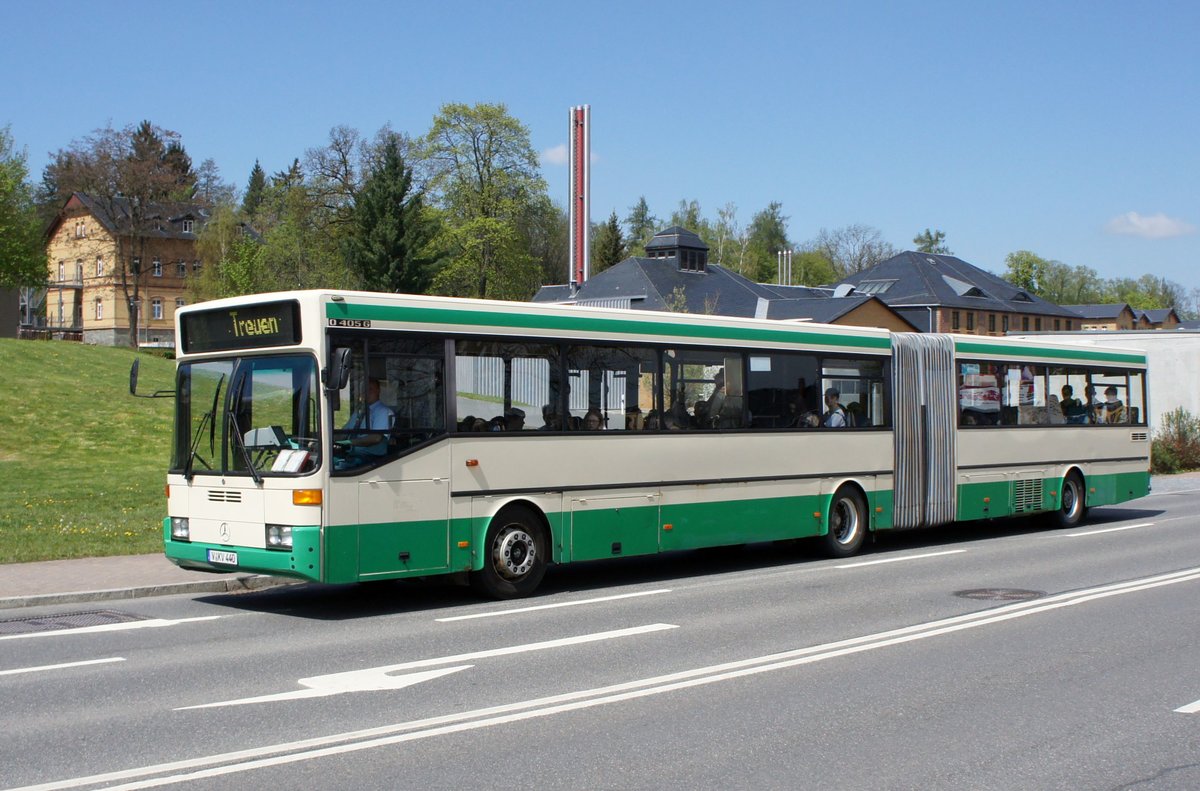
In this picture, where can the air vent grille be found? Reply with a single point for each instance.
(1027, 495)
(1140, 436)
(224, 496)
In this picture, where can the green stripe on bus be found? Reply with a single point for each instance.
(967, 347)
(555, 322)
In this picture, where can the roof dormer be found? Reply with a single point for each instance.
(688, 250)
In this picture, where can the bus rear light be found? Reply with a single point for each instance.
(279, 537)
(306, 497)
(180, 530)
(167, 491)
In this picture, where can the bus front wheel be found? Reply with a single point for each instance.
(847, 523)
(1072, 509)
(514, 559)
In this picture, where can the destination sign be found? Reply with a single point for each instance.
(241, 327)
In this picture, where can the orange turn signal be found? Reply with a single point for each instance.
(472, 462)
(668, 527)
(464, 544)
(306, 497)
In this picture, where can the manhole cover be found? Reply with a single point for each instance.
(70, 620)
(1000, 594)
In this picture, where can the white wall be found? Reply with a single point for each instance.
(1173, 357)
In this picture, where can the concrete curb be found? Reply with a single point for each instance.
(241, 584)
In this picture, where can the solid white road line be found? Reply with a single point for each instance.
(380, 678)
(152, 623)
(1086, 533)
(61, 666)
(899, 559)
(551, 606)
(280, 754)
(1191, 708)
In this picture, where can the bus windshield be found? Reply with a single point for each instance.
(250, 416)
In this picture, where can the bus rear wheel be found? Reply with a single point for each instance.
(847, 523)
(515, 553)
(1072, 509)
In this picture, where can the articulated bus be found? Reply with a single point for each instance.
(344, 437)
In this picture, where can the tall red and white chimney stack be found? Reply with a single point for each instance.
(580, 208)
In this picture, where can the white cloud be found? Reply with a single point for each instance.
(555, 156)
(560, 155)
(1154, 226)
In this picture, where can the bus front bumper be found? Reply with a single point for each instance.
(302, 561)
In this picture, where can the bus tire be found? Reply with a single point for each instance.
(847, 523)
(515, 552)
(1072, 509)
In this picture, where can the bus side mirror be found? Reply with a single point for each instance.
(338, 373)
(133, 380)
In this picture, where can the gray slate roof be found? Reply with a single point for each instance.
(920, 280)
(1106, 311)
(676, 237)
(170, 216)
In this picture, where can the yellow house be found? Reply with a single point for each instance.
(101, 268)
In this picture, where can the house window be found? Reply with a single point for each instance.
(187, 226)
(179, 303)
(992, 323)
(62, 271)
(196, 266)
(971, 321)
(1004, 323)
(156, 308)
(78, 270)
(1057, 325)
(1024, 324)
(181, 268)
(137, 265)
(1037, 324)
(99, 266)
(99, 309)
(954, 320)
(157, 268)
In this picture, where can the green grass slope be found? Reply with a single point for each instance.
(82, 463)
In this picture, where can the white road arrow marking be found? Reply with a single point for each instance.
(379, 678)
(1191, 708)
(374, 679)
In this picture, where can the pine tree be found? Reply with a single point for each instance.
(642, 226)
(608, 247)
(255, 190)
(390, 231)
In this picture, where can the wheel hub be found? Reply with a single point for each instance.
(514, 553)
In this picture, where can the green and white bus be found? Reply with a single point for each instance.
(516, 435)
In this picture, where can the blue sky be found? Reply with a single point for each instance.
(1069, 129)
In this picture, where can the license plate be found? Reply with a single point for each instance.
(219, 556)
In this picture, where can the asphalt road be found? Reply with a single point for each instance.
(989, 656)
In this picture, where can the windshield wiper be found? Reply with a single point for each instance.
(210, 421)
(235, 432)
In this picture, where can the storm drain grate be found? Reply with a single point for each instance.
(1000, 594)
(70, 620)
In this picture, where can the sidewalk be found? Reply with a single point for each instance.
(118, 577)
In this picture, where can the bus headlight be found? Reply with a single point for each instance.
(279, 537)
(179, 529)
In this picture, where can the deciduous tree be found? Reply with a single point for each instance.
(853, 248)
(22, 256)
(485, 175)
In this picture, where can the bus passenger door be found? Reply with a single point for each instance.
(607, 527)
(404, 524)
